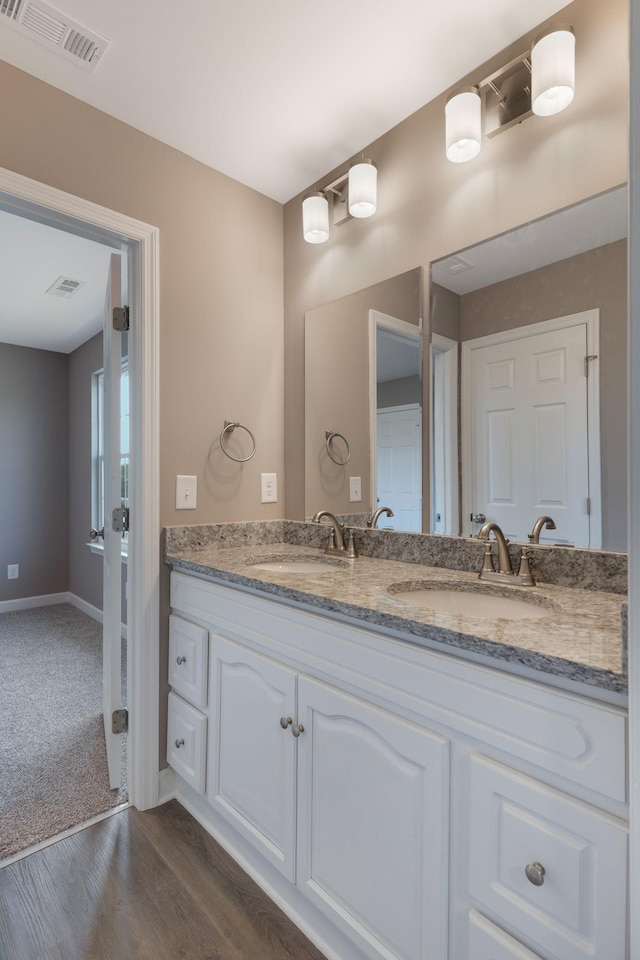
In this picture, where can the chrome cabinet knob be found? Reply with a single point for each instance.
(179, 743)
(180, 660)
(94, 534)
(535, 873)
(285, 722)
(297, 729)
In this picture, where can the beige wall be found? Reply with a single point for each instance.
(597, 278)
(428, 207)
(337, 388)
(220, 286)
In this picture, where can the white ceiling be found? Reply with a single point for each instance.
(274, 94)
(33, 257)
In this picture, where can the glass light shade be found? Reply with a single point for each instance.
(315, 218)
(553, 70)
(363, 189)
(463, 123)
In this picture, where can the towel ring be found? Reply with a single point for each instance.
(330, 437)
(229, 427)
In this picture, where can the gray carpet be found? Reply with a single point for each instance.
(53, 765)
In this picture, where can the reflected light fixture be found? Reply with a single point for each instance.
(363, 189)
(463, 120)
(315, 217)
(553, 71)
(540, 81)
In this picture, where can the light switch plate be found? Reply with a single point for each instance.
(186, 493)
(355, 489)
(13, 571)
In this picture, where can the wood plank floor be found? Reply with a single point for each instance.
(141, 886)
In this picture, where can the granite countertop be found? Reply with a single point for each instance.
(580, 640)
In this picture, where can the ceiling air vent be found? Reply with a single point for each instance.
(454, 265)
(54, 29)
(65, 287)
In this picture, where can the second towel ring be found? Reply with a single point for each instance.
(330, 436)
(229, 427)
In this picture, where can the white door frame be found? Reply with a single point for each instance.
(444, 383)
(411, 331)
(592, 320)
(144, 561)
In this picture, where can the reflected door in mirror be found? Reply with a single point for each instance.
(527, 412)
(399, 466)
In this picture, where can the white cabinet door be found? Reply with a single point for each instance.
(251, 763)
(373, 823)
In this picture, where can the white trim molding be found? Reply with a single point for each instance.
(141, 240)
(28, 603)
(443, 433)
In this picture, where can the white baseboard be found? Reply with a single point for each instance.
(85, 607)
(27, 603)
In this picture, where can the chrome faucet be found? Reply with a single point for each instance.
(374, 519)
(541, 522)
(505, 572)
(336, 545)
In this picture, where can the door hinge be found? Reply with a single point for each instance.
(587, 360)
(120, 520)
(120, 721)
(121, 319)
(587, 504)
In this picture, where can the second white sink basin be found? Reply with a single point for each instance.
(470, 601)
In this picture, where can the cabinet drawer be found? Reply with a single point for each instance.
(579, 909)
(188, 655)
(187, 742)
(488, 942)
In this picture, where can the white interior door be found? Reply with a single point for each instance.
(399, 467)
(527, 411)
(112, 568)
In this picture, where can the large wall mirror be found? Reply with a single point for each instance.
(529, 340)
(363, 404)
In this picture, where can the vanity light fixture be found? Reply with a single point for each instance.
(363, 189)
(315, 217)
(540, 82)
(553, 71)
(352, 194)
(463, 118)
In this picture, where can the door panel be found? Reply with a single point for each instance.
(399, 468)
(112, 563)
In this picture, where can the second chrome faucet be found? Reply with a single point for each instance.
(336, 546)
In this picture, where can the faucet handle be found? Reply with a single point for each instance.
(524, 570)
(352, 550)
(488, 566)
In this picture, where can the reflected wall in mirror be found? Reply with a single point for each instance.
(539, 316)
(363, 366)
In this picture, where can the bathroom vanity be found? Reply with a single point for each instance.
(399, 791)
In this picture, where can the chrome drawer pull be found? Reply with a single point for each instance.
(297, 729)
(535, 873)
(285, 721)
(179, 743)
(180, 660)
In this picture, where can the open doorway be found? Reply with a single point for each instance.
(52, 594)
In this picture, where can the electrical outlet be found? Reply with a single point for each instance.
(13, 571)
(186, 493)
(355, 489)
(268, 487)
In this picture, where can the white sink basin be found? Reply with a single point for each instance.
(470, 601)
(308, 565)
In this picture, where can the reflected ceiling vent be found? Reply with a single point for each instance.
(454, 265)
(54, 29)
(64, 287)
